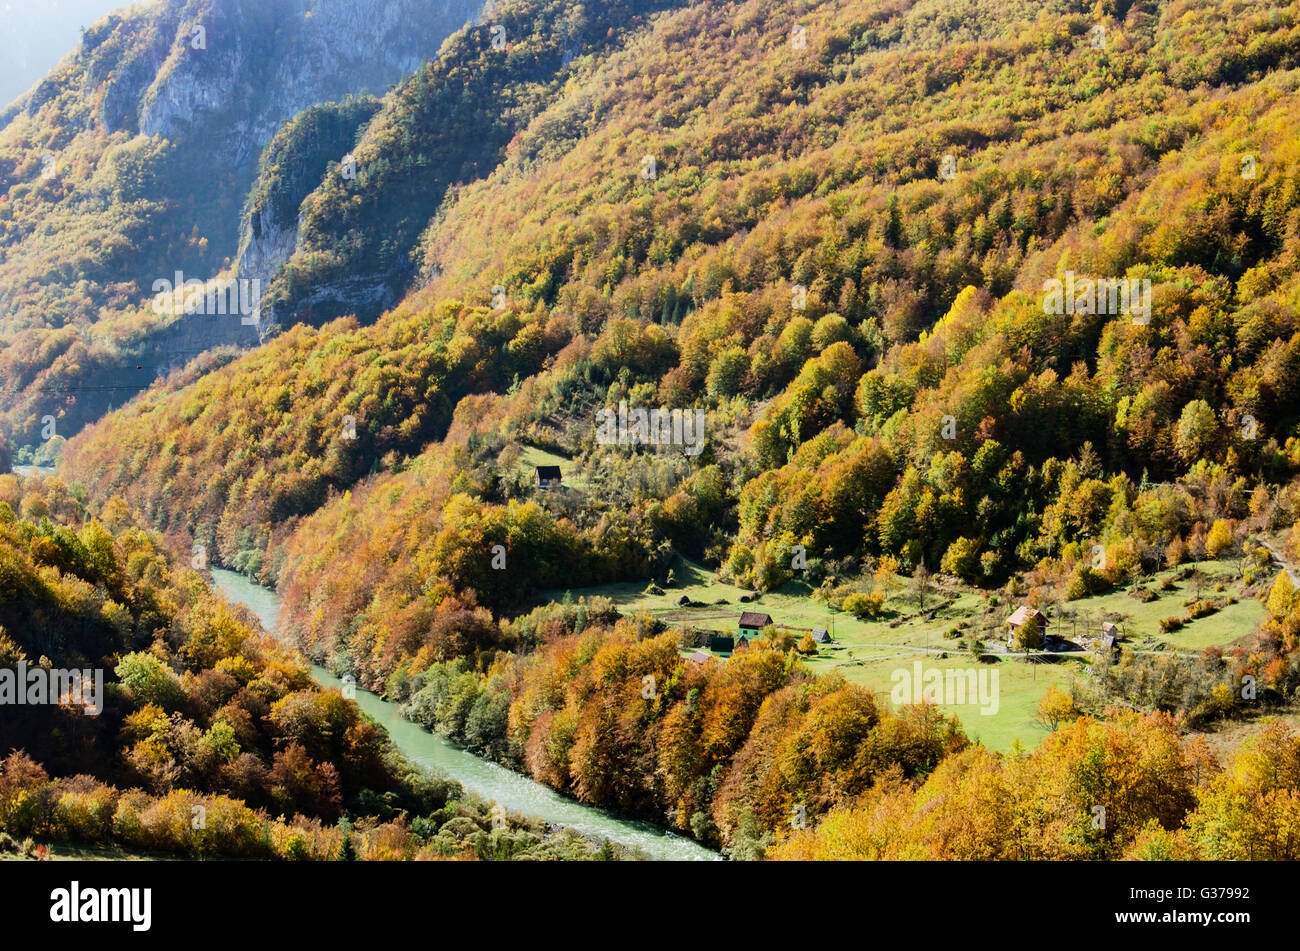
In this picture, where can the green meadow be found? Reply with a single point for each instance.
(530, 457)
(876, 652)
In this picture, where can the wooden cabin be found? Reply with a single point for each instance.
(1023, 614)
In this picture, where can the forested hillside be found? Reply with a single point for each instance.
(210, 738)
(446, 125)
(923, 294)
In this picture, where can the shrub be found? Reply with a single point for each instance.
(86, 816)
(1083, 582)
(864, 605)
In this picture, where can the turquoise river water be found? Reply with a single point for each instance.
(490, 780)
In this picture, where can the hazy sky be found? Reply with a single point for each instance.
(35, 34)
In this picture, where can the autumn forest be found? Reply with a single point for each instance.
(825, 429)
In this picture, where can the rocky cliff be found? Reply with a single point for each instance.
(134, 158)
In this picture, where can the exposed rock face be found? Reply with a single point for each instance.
(250, 65)
(219, 77)
(189, 93)
(175, 345)
(254, 65)
(266, 244)
(329, 300)
(291, 167)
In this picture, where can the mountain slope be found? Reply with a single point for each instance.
(130, 163)
(1067, 174)
(447, 124)
(835, 229)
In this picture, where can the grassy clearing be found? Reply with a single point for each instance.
(1140, 621)
(530, 457)
(1020, 685)
(869, 652)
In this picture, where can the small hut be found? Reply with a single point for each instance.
(548, 477)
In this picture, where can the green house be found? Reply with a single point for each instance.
(751, 622)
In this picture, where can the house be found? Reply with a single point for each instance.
(548, 476)
(698, 657)
(820, 636)
(721, 643)
(1023, 614)
(751, 622)
(1109, 636)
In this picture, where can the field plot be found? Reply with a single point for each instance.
(877, 652)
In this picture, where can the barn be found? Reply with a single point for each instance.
(751, 622)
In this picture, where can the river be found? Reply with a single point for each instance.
(490, 780)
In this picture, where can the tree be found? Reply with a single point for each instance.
(1029, 635)
(886, 575)
(1282, 596)
(962, 559)
(150, 680)
(921, 584)
(348, 850)
(1196, 428)
(727, 372)
(1055, 707)
(1219, 539)
(1251, 811)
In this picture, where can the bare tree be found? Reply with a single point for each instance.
(921, 584)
